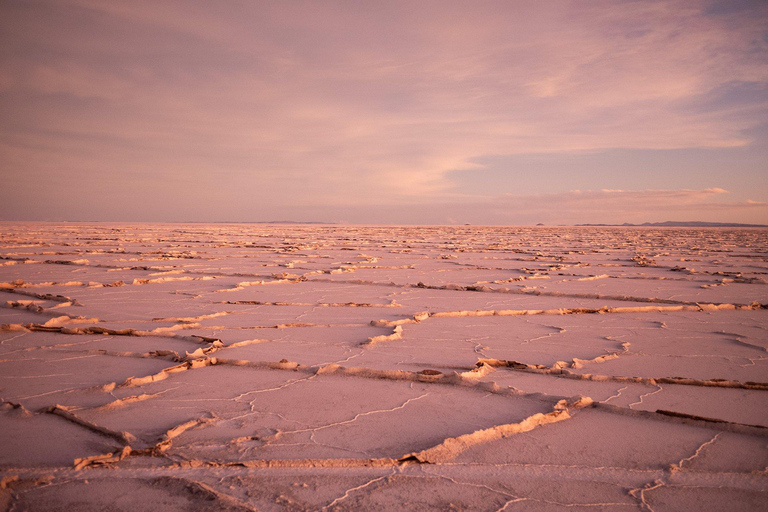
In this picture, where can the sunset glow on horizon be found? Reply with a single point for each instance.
(385, 112)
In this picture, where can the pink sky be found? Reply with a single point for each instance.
(384, 112)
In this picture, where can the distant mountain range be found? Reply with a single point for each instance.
(679, 224)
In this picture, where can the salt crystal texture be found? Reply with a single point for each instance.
(274, 367)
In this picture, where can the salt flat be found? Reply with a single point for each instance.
(308, 367)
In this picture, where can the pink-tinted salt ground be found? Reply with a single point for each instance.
(273, 367)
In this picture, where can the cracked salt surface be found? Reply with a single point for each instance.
(238, 367)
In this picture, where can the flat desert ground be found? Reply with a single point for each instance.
(312, 367)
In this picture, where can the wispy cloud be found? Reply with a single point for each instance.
(622, 206)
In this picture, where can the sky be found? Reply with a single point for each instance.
(384, 112)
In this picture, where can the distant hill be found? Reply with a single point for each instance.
(256, 222)
(683, 224)
(292, 222)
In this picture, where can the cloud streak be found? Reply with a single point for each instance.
(611, 206)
